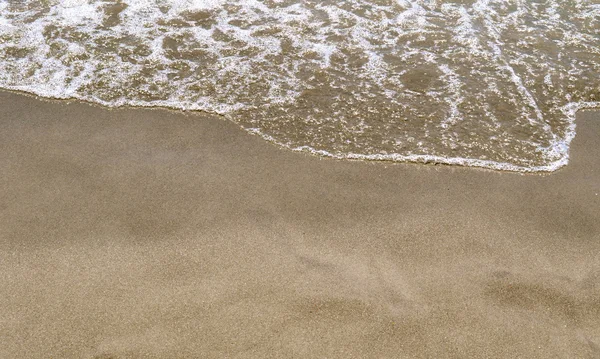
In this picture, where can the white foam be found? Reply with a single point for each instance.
(75, 12)
(561, 161)
(245, 63)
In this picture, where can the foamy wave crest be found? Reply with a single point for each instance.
(488, 83)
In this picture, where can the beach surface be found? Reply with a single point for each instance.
(147, 233)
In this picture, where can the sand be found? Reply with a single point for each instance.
(139, 233)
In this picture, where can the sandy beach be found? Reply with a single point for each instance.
(147, 233)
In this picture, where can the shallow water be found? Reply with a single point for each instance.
(479, 83)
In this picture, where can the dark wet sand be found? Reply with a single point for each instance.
(137, 233)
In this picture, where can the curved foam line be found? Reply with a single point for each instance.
(561, 148)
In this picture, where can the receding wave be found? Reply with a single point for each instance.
(489, 83)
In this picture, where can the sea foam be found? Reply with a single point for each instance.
(487, 83)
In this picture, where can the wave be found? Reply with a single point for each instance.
(486, 83)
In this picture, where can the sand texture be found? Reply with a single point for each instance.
(135, 233)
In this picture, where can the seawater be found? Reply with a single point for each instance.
(489, 83)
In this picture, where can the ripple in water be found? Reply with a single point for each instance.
(490, 83)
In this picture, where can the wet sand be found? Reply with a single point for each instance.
(137, 233)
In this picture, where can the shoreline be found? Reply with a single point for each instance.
(135, 232)
(571, 108)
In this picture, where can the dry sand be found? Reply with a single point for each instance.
(137, 233)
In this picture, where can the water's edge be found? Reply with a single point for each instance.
(571, 109)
